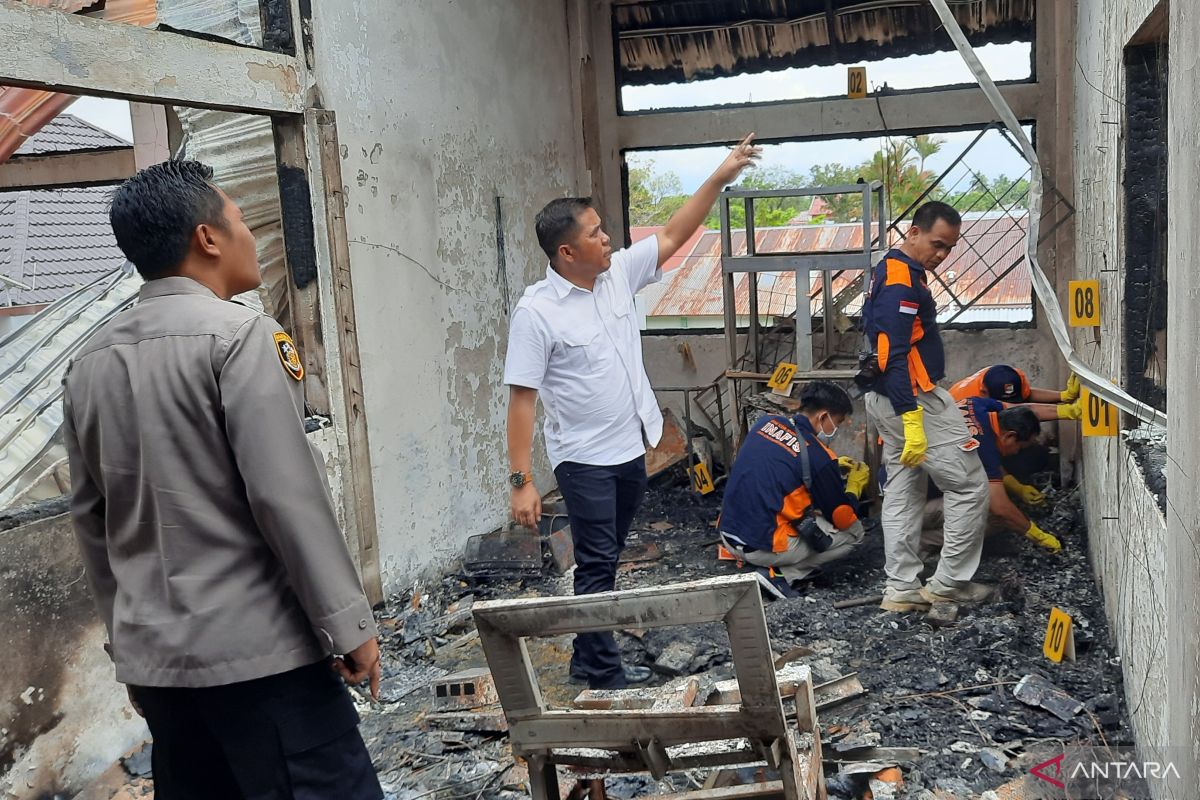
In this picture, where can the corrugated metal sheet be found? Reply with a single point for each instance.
(239, 147)
(235, 20)
(990, 244)
(681, 40)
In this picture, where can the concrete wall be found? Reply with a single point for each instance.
(1183, 376)
(57, 680)
(442, 107)
(1134, 550)
(966, 352)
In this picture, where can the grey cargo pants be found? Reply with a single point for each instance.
(957, 472)
(800, 561)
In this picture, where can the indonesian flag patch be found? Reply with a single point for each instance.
(289, 355)
(908, 307)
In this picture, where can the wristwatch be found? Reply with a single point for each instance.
(519, 479)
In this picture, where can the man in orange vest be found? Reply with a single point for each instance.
(1010, 385)
(923, 432)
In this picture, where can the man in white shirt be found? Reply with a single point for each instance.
(574, 343)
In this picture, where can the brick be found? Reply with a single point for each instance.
(471, 688)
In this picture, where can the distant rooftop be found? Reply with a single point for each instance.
(55, 241)
(67, 133)
(991, 244)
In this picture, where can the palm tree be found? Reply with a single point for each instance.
(926, 145)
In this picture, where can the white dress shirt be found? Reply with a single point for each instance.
(582, 352)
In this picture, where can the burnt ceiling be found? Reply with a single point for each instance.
(671, 41)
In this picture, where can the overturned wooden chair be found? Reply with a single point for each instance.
(657, 740)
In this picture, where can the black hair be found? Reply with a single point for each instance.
(931, 212)
(558, 222)
(154, 214)
(825, 396)
(1022, 421)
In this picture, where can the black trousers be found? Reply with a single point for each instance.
(601, 502)
(292, 736)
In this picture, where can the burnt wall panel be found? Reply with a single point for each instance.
(1146, 224)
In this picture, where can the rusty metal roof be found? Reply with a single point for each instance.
(671, 41)
(990, 244)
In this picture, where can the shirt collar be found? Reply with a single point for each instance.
(562, 287)
(176, 284)
(802, 424)
(896, 252)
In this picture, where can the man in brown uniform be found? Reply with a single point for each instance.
(206, 526)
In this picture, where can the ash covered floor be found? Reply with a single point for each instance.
(946, 690)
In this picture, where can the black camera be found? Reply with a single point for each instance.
(810, 532)
(868, 370)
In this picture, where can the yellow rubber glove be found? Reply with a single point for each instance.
(858, 475)
(915, 443)
(1071, 393)
(1072, 410)
(1023, 492)
(1042, 538)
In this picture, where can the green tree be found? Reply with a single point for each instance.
(982, 194)
(842, 207)
(926, 146)
(768, 211)
(900, 165)
(653, 196)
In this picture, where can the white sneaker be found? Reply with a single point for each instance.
(935, 591)
(903, 600)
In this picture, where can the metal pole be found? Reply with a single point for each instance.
(687, 428)
(726, 450)
(730, 300)
(804, 356)
(752, 284)
(827, 308)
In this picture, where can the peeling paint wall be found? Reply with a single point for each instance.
(440, 108)
(1127, 531)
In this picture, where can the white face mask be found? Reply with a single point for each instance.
(827, 437)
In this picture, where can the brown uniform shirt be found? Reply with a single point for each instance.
(202, 510)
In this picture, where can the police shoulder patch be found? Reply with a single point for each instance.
(289, 356)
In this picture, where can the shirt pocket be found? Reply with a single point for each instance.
(580, 353)
(621, 303)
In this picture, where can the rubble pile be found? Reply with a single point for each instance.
(1148, 443)
(958, 705)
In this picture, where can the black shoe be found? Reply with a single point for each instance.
(637, 674)
(774, 588)
(631, 675)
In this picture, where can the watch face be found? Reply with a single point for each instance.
(517, 479)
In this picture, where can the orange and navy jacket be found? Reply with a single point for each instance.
(766, 491)
(982, 416)
(999, 382)
(900, 319)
